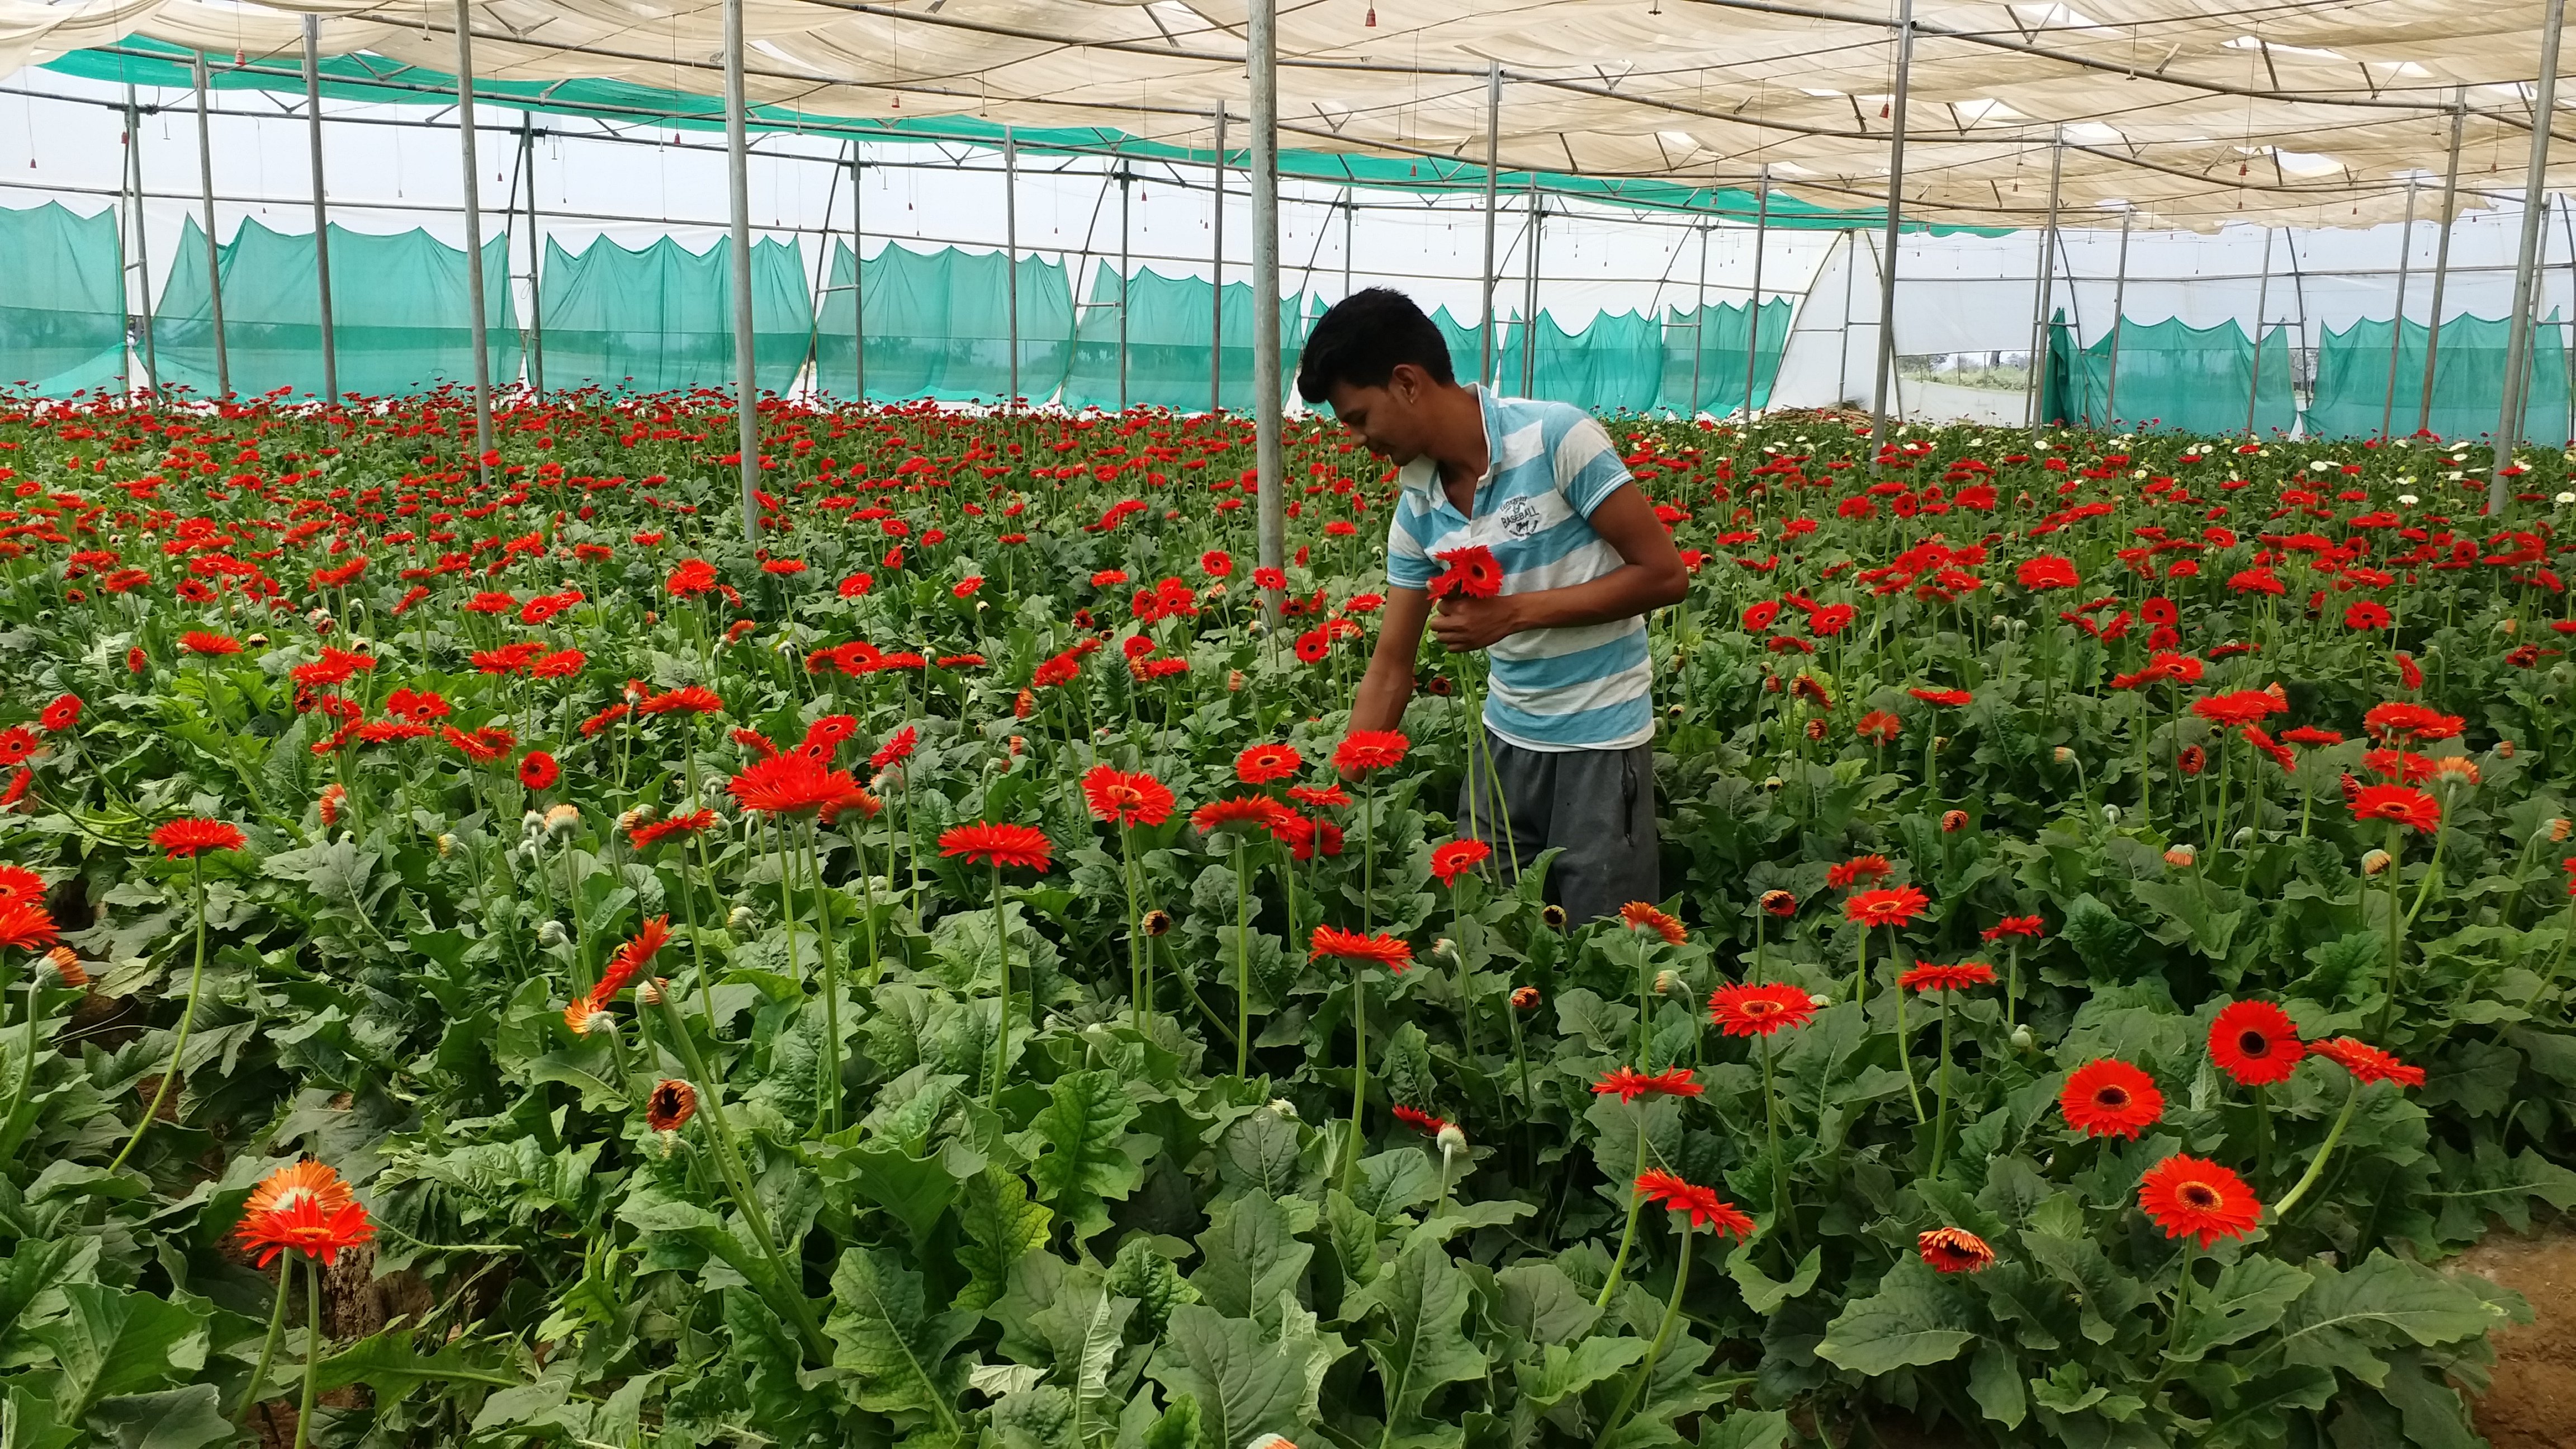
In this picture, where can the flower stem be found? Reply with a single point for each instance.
(312, 1346)
(1655, 1349)
(1002, 1023)
(1359, 1074)
(1771, 1128)
(831, 1065)
(1636, 1202)
(2182, 1296)
(1242, 963)
(187, 1019)
(268, 1346)
(2396, 932)
(2317, 1167)
(1941, 1124)
(1135, 928)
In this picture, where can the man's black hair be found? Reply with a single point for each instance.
(1364, 338)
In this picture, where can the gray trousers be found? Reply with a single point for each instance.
(1598, 805)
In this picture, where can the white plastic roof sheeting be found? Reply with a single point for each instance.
(2193, 111)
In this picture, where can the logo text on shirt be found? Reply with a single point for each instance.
(1520, 518)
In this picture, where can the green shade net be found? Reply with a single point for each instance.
(1614, 364)
(661, 318)
(2468, 381)
(62, 314)
(2173, 378)
(398, 306)
(939, 326)
(1717, 334)
(1466, 346)
(1169, 331)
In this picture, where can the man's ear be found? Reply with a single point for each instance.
(1406, 382)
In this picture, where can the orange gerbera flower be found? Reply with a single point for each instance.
(1954, 1250)
(2255, 1043)
(1628, 1084)
(1126, 797)
(2190, 1197)
(1264, 763)
(2368, 1063)
(1641, 916)
(1759, 1010)
(1366, 750)
(1332, 941)
(1927, 977)
(306, 1208)
(183, 839)
(1891, 907)
(673, 1103)
(303, 1177)
(1456, 858)
(2110, 1098)
(632, 957)
(1024, 846)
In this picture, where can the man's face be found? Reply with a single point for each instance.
(1389, 419)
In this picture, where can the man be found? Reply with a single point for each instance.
(1567, 715)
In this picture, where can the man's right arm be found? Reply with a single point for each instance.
(1388, 684)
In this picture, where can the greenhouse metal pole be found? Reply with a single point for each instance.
(1261, 34)
(2535, 203)
(1529, 309)
(2397, 324)
(2442, 257)
(1493, 159)
(1895, 220)
(1216, 274)
(1123, 179)
(1350, 223)
(142, 246)
(1699, 318)
(1753, 314)
(2043, 335)
(214, 253)
(859, 277)
(321, 209)
(1842, 355)
(746, 384)
(1010, 248)
(536, 246)
(2119, 303)
(478, 324)
(2567, 348)
(2262, 304)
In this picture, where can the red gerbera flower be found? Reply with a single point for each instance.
(1243, 812)
(198, 641)
(484, 745)
(1892, 907)
(2191, 1197)
(693, 577)
(1473, 571)
(1856, 870)
(2110, 1098)
(1364, 750)
(1759, 1010)
(2400, 719)
(62, 714)
(1315, 797)
(1126, 797)
(2236, 708)
(633, 957)
(1419, 1120)
(1947, 697)
(660, 830)
(1343, 945)
(1264, 763)
(1023, 846)
(2368, 1063)
(1927, 977)
(2367, 614)
(538, 771)
(1705, 1207)
(2398, 805)
(1456, 858)
(2015, 926)
(183, 839)
(793, 783)
(1628, 1084)
(1639, 915)
(1954, 1250)
(18, 744)
(17, 883)
(2048, 571)
(2255, 1043)
(25, 924)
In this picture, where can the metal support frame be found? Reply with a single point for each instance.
(1350, 222)
(321, 210)
(1753, 311)
(478, 321)
(1010, 248)
(1886, 365)
(2535, 195)
(536, 249)
(1261, 33)
(1851, 289)
(142, 245)
(2567, 348)
(2119, 310)
(859, 276)
(1126, 180)
(746, 384)
(1216, 272)
(1493, 160)
(214, 253)
(2442, 256)
(1699, 320)
(2397, 326)
(2262, 304)
(2043, 334)
(1529, 305)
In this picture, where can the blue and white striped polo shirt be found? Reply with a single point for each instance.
(1550, 466)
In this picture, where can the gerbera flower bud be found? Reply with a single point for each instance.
(1234, 681)
(67, 966)
(2110, 815)
(256, 641)
(561, 820)
(649, 992)
(2504, 749)
(1953, 821)
(532, 824)
(1553, 915)
(2557, 829)
(1819, 999)
(1779, 903)
(1451, 1140)
(1665, 983)
(550, 934)
(2180, 857)
(627, 820)
(446, 846)
(1158, 922)
(2022, 1040)
(1444, 947)
(1673, 710)
(672, 1104)
(1773, 782)
(329, 803)
(597, 1021)
(738, 918)
(1283, 1109)
(2373, 862)
(1524, 998)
